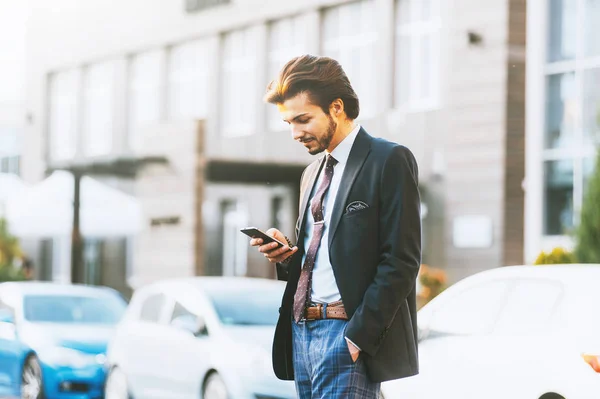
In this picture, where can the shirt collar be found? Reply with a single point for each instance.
(342, 151)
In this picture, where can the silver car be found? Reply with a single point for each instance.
(199, 337)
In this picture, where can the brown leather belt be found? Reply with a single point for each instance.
(333, 310)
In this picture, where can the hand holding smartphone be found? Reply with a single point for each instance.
(253, 232)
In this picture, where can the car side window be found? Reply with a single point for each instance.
(471, 312)
(531, 307)
(180, 310)
(152, 308)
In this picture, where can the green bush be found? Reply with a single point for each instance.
(10, 255)
(587, 236)
(557, 256)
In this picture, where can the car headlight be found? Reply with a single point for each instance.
(59, 356)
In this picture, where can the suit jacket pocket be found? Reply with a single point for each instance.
(364, 211)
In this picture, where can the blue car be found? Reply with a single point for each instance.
(53, 339)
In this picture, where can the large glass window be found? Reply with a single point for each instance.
(239, 82)
(417, 58)
(189, 68)
(145, 93)
(99, 106)
(562, 29)
(350, 36)
(572, 112)
(287, 39)
(64, 113)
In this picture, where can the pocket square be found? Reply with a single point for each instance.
(356, 206)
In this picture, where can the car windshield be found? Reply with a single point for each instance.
(248, 306)
(71, 309)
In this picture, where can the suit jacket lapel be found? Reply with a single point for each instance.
(358, 154)
(306, 190)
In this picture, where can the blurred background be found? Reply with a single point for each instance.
(134, 142)
(162, 102)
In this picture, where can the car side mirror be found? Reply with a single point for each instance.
(195, 325)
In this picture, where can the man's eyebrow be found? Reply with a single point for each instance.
(295, 118)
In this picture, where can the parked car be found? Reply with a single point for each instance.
(522, 332)
(199, 337)
(53, 339)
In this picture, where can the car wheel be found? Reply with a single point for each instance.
(31, 379)
(214, 388)
(116, 385)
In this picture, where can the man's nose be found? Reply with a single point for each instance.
(296, 133)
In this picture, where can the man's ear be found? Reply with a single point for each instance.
(336, 108)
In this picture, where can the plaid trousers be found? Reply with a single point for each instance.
(323, 366)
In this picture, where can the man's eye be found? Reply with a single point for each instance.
(303, 121)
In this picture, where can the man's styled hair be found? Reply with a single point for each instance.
(321, 78)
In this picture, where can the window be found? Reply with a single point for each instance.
(179, 310)
(572, 111)
(562, 31)
(152, 308)
(99, 105)
(471, 312)
(530, 308)
(240, 84)
(561, 111)
(417, 57)
(287, 39)
(558, 207)
(10, 165)
(350, 36)
(188, 80)
(145, 93)
(63, 114)
(105, 309)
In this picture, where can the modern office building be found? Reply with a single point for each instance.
(114, 83)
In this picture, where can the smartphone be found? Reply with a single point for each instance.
(253, 232)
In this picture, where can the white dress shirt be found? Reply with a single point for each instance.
(324, 287)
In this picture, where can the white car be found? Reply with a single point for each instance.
(519, 332)
(199, 337)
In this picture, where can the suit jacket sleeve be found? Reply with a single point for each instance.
(400, 259)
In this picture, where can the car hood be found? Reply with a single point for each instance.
(91, 339)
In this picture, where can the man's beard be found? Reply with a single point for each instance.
(324, 141)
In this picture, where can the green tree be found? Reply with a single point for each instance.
(588, 233)
(10, 254)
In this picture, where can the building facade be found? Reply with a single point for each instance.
(184, 81)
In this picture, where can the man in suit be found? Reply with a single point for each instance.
(348, 315)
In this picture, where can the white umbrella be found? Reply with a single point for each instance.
(46, 209)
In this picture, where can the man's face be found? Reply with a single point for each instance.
(310, 125)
